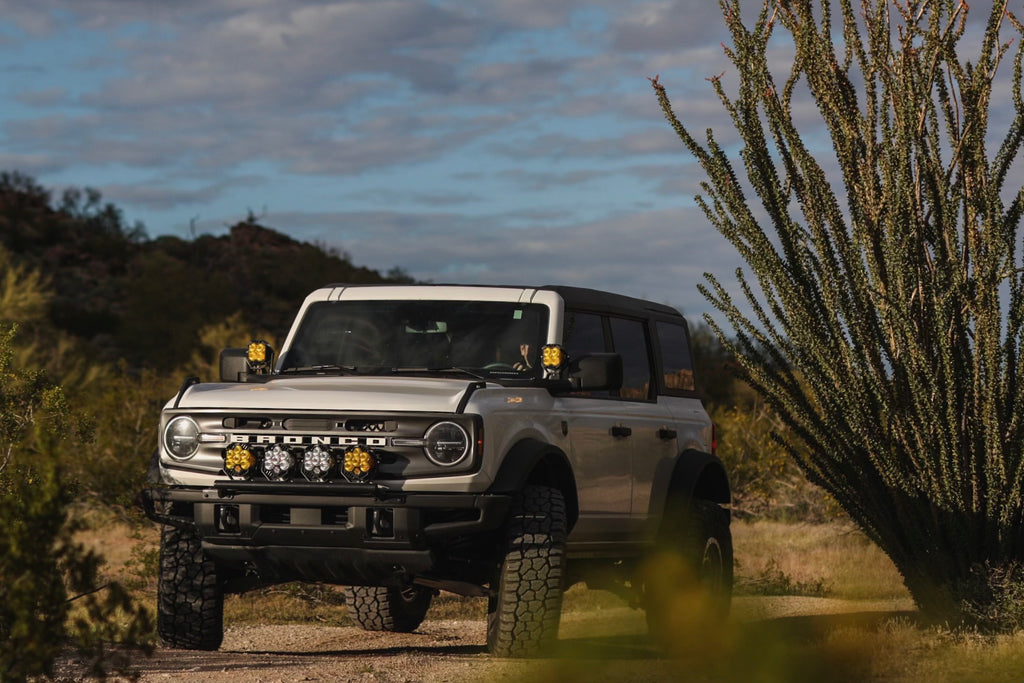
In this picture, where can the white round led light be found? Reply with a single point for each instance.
(317, 462)
(277, 461)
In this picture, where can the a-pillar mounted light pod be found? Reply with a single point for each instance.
(259, 358)
(552, 358)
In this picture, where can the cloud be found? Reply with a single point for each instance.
(498, 140)
(169, 194)
(649, 254)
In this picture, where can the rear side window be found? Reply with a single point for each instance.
(630, 341)
(677, 365)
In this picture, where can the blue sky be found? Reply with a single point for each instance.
(495, 141)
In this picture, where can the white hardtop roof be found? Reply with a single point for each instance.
(433, 292)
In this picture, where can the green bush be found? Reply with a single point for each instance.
(765, 479)
(50, 591)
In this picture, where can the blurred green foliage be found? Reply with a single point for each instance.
(50, 589)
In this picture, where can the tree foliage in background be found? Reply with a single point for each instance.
(888, 294)
(765, 480)
(123, 296)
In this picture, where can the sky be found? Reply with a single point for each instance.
(485, 141)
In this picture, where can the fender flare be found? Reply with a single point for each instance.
(694, 474)
(534, 462)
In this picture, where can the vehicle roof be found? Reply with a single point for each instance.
(582, 297)
(574, 297)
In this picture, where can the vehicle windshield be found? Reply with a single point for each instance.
(486, 339)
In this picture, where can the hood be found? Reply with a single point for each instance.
(413, 394)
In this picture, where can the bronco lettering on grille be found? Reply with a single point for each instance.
(292, 440)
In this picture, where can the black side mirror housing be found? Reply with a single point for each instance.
(252, 364)
(234, 365)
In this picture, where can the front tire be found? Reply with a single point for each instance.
(190, 601)
(526, 596)
(388, 608)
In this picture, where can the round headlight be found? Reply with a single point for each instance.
(181, 438)
(446, 444)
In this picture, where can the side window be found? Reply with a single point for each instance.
(677, 365)
(584, 333)
(630, 341)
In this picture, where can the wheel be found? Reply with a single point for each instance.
(526, 595)
(687, 580)
(190, 602)
(387, 608)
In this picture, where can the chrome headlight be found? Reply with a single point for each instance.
(181, 438)
(446, 444)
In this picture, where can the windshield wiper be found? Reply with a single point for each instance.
(323, 369)
(440, 371)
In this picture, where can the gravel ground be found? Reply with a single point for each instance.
(605, 645)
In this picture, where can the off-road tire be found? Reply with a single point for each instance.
(689, 577)
(387, 608)
(190, 601)
(526, 596)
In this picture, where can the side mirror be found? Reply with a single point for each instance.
(596, 372)
(246, 365)
(233, 365)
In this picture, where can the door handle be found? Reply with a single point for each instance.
(620, 431)
(666, 434)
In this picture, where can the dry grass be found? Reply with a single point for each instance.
(861, 627)
(835, 556)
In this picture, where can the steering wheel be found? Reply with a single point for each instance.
(499, 366)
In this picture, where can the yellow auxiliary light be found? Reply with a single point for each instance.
(552, 356)
(257, 352)
(259, 357)
(238, 460)
(358, 463)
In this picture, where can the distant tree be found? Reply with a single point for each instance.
(122, 296)
(888, 301)
(713, 367)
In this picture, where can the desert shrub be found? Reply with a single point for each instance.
(50, 591)
(126, 410)
(765, 479)
(772, 580)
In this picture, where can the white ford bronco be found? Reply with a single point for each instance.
(499, 442)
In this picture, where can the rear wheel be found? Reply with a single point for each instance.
(388, 608)
(526, 596)
(190, 602)
(688, 579)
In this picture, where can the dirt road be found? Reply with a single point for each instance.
(606, 645)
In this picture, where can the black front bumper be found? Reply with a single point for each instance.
(342, 533)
